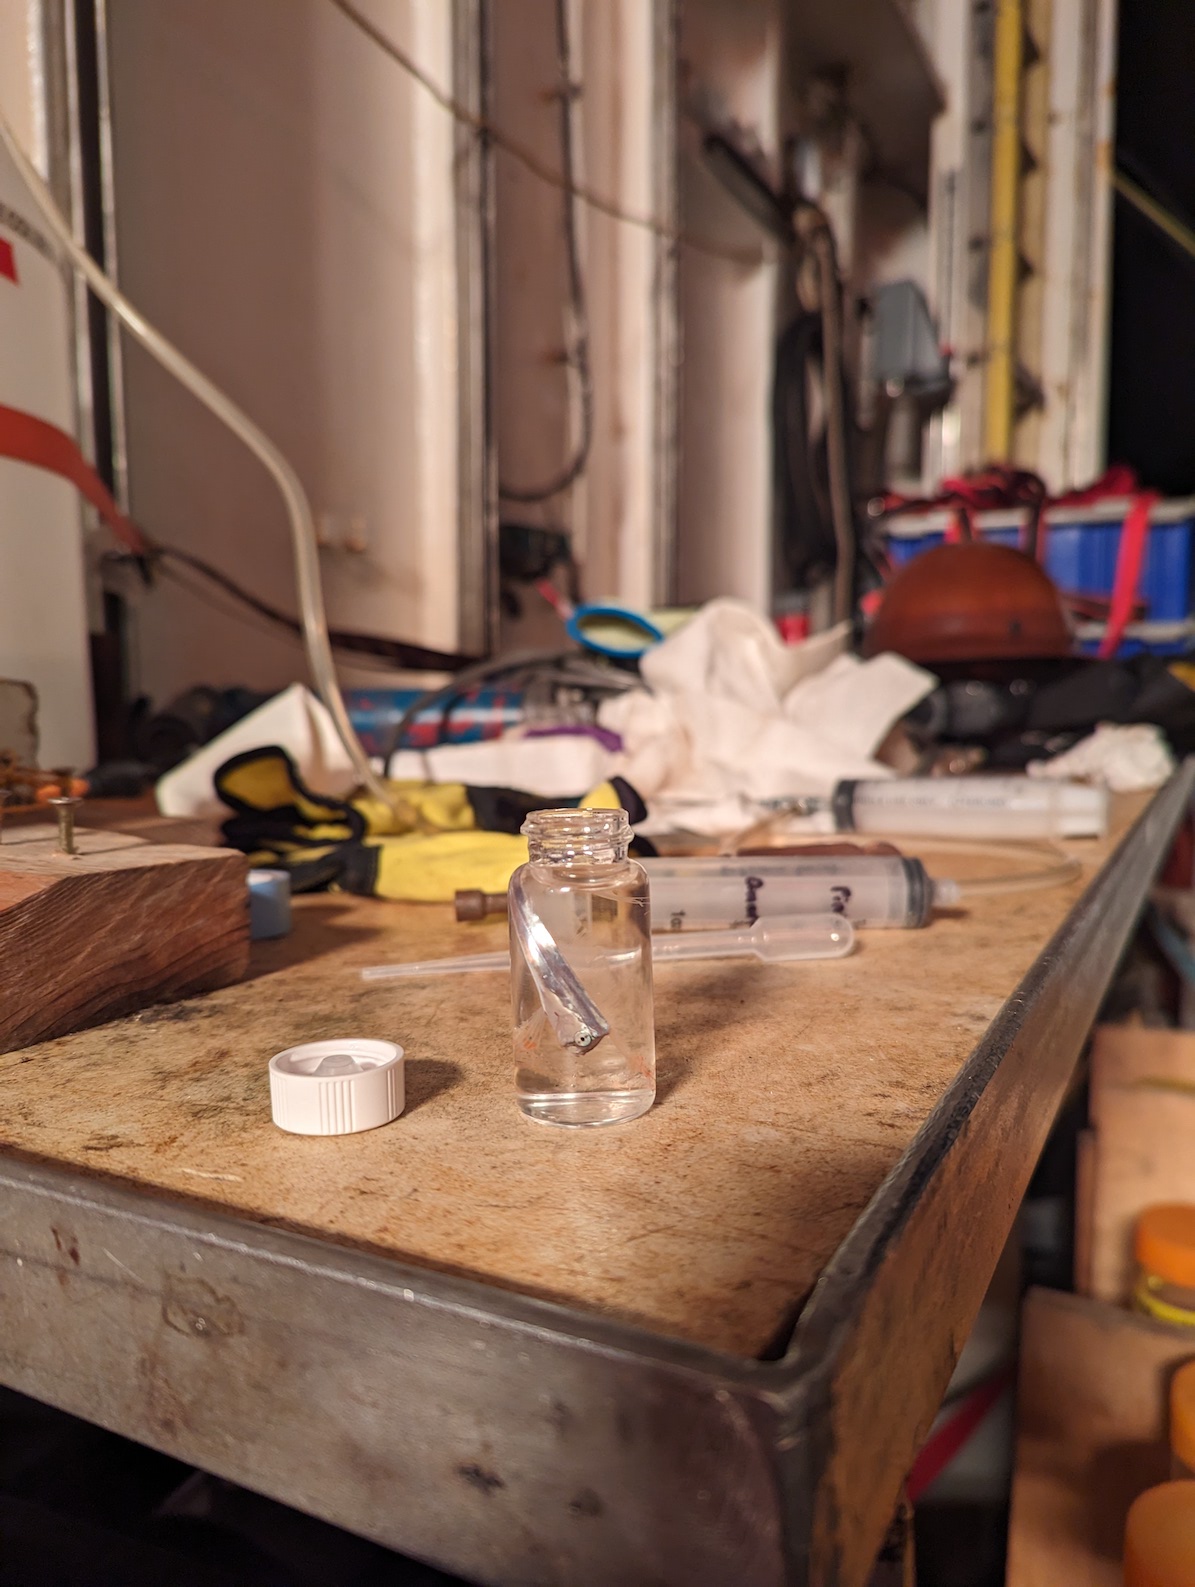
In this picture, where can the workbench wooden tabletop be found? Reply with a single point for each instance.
(786, 1094)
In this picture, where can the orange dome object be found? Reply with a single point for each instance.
(971, 602)
(1159, 1537)
(1164, 1243)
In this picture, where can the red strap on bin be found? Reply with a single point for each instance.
(1129, 557)
(944, 1443)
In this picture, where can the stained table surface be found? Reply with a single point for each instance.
(786, 1094)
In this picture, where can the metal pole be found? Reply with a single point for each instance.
(1003, 263)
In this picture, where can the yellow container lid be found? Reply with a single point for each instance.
(1165, 1243)
(1159, 1538)
(1182, 1415)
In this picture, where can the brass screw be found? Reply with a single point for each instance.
(473, 904)
(64, 809)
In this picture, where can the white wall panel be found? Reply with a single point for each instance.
(286, 212)
(43, 613)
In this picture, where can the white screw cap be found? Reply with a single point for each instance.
(337, 1087)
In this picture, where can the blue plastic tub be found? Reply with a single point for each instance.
(1081, 549)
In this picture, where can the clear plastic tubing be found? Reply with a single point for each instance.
(781, 940)
(581, 988)
(971, 807)
(868, 889)
(304, 547)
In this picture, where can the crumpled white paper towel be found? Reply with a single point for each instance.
(1127, 758)
(296, 720)
(732, 716)
(564, 767)
(554, 768)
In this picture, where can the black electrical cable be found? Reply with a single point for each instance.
(530, 160)
(396, 652)
(842, 513)
(804, 532)
(571, 669)
(579, 357)
(232, 609)
(466, 679)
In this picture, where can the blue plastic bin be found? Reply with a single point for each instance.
(1081, 549)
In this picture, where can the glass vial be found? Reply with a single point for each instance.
(593, 900)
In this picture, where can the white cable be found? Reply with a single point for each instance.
(298, 508)
(1058, 869)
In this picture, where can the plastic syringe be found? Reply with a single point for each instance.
(970, 807)
(868, 889)
(777, 941)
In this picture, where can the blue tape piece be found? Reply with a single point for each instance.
(269, 904)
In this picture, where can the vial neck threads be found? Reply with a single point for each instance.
(577, 837)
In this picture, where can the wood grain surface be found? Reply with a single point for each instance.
(120, 925)
(786, 1095)
(1091, 1436)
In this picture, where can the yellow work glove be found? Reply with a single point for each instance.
(433, 840)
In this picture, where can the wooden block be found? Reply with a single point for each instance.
(1091, 1435)
(1143, 1155)
(1130, 1055)
(122, 924)
(1143, 1114)
(138, 816)
(1136, 1074)
(203, 831)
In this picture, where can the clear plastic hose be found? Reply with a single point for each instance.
(298, 508)
(1051, 866)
